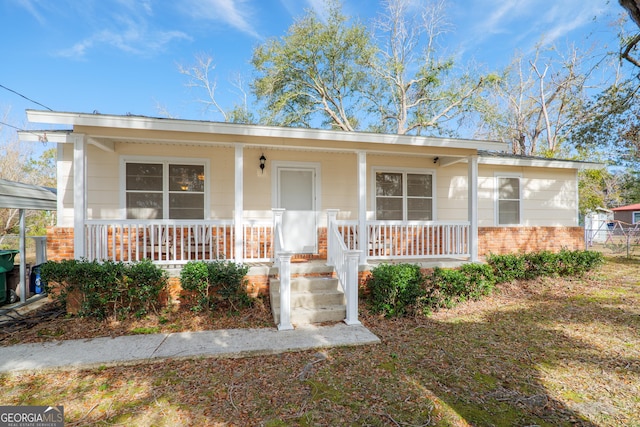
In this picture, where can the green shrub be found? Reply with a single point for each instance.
(544, 263)
(106, 288)
(144, 283)
(194, 277)
(216, 283)
(508, 267)
(541, 264)
(481, 279)
(445, 288)
(448, 287)
(395, 290)
(577, 263)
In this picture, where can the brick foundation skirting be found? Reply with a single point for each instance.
(504, 240)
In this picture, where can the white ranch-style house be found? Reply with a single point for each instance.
(134, 187)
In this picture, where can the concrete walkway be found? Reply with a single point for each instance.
(232, 343)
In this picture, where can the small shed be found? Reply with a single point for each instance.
(17, 195)
(629, 214)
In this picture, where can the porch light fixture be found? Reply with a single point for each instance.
(263, 160)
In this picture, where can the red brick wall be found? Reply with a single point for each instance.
(59, 243)
(503, 240)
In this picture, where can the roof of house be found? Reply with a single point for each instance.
(248, 130)
(489, 152)
(634, 207)
(18, 195)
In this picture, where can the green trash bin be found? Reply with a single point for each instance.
(6, 264)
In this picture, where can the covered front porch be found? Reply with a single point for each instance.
(344, 249)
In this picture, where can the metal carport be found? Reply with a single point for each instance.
(17, 195)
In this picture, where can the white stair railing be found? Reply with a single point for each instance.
(345, 262)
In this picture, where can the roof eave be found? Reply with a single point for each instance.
(179, 125)
(548, 163)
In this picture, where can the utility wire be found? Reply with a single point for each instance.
(28, 99)
(40, 137)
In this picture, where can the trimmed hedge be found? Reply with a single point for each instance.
(394, 289)
(402, 289)
(106, 288)
(543, 264)
(213, 284)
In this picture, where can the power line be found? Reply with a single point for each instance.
(27, 98)
(40, 137)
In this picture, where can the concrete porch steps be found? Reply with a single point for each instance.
(313, 300)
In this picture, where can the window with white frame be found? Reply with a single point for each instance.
(164, 190)
(404, 196)
(508, 201)
(635, 217)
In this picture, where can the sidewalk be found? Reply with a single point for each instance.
(231, 343)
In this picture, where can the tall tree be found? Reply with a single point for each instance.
(317, 71)
(629, 46)
(17, 163)
(417, 88)
(200, 77)
(541, 100)
(614, 123)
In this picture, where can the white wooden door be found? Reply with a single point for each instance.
(297, 195)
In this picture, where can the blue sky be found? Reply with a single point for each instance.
(121, 56)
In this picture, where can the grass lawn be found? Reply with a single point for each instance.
(550, 352)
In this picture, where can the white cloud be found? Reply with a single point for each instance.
(33, 7)
(235, 13)
(521, 24)
(126, 28)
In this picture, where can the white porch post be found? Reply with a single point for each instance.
(363, 233)
(473, 207)
(79, 195)
(238, 216)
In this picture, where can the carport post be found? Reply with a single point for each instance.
(23, 263)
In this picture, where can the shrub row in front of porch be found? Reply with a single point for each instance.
(403, 289)
(105, 289)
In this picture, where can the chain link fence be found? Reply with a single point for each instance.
(613, 238)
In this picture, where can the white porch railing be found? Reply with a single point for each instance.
(345, 262)
(175, 241)
(409, 239)
(180, 241)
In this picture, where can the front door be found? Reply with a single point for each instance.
(296, 193)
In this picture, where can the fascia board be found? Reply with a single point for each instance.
(541, 163)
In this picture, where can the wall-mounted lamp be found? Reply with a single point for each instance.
(263, 160)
